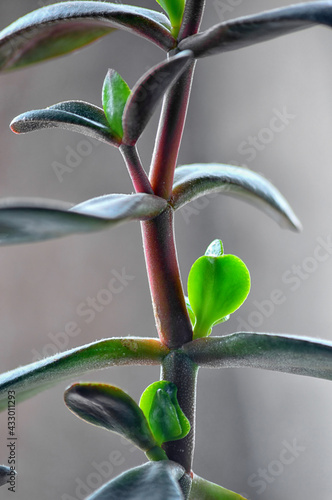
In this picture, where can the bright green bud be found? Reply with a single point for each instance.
(161, 408)
(218, 285)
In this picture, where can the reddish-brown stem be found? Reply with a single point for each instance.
(169, 134)
(170, 311)
(136, 171)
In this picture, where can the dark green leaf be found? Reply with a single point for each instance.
(202, 489)
(115, 95)
(4, 474)
(58, 29)
(26, 221)
(217, 286)
(163, 412)
(148, 92)
(193, 181)
(245, 31)
(296, 355)
(110, 407)
(78, 116)
(151, 481)
(33, 378)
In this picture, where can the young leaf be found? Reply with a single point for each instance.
(77, 116)
(248, 30)
(161, 408)
(58, 29)
(297, 355)
(115, 95)
(202, 489)
(193, 181)
(110, 407)
(153, 480)
(33, 378)
(174, 9)
(31, 220)
(148, 92)
(217, 286)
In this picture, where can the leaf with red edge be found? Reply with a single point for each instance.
(58, 29)
(148, 92)
(77, 116)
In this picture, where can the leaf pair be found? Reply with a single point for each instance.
(126, 113)
(218, 284)
(156, 420)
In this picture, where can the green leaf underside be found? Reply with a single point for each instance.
(161, 408)
(148, 93)
(36, 377)
(217, 286)
(58, 29)
(154, 480)
(77, 116)
(202, 489)
(114, 96)
(111, 408)
(295, 355)
(248, 30)
(31, 220)
(194, 181)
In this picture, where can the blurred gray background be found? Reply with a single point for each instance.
(246, 419)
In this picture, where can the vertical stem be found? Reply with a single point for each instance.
(169, 134)
(170, 311)
(136, 171)
(192, 17)
(179, 369)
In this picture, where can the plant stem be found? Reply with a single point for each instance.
(169, 134)
(170, 311)
(179, 369)
(192, 18)
(136, 171)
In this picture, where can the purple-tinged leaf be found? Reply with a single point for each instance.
(36, 377)
(193, 181)
(248, 30)
(148, 92)
(60, 28)
(154, 481)
(31, 220)
(113, 409)
(202, 489)
(77, 116)
(267, 351)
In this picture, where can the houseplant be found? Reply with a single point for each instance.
(132, 115)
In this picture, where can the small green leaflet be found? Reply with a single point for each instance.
(114, 96)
